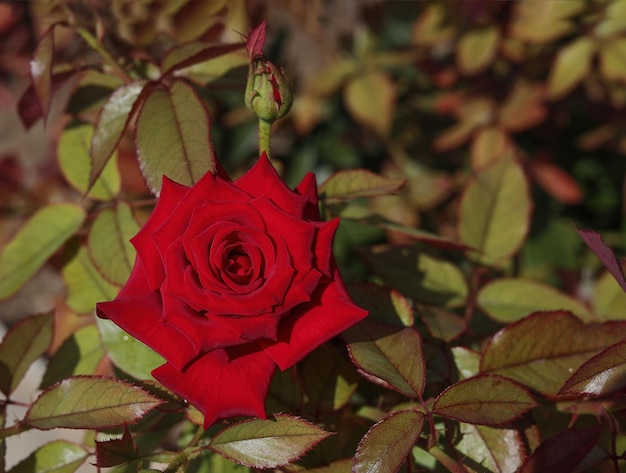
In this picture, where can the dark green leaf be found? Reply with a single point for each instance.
(58, 456)
(173, 136)
(484, 399)
(22, 344)
(383, 303)
(190, 54)
(267, 443)
(80, 354)
(387, 444)
(544, 349)
(40, 237)
(84, 402)
(389, 356)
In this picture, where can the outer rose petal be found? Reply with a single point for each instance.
(223, 383)
(308, 188)
(263, 180)
(327, 315)
(137, 310)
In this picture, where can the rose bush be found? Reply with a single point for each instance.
(230, 280)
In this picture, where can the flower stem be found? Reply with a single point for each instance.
(265, 128)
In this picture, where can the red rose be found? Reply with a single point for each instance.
(232, 279)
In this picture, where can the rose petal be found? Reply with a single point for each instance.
(263, 180)
(137, 310)
(223, 383)
(308, 188)
(329, 313)
(324, 260)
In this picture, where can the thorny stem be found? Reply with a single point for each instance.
(265, 128)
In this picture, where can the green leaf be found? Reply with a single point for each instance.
(476, 50)
(58, 456)
(443, 324)
(370, 97)
(563, 452)
(84, 402)
(484, 399)
(76, 164)
(389, 356)
(387, 444)
(128, 353)
(466, 361)
(609, 299)
(495, 211)
(40, 237)
(612, 64)
(41, 70)
(357, 183)
(85, 285)
(572, 64)
(173, 136)
(544, 349)
(22, 344)
(267, 443)
(80, 354)
(383, 303)
(603, 374)
(500, 450)
(507, 300)
(112, 122)
(190, 54)
(109, 242)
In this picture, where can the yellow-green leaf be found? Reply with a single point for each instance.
(76, 164)
(173, 136)
(613, 60)
(109, 243)
(476, 50)
(572, 64)
(58, 456)
(609, 299)
(494, 449)
(495, 211)
(371, 99)
(355, 183)
(40, 237)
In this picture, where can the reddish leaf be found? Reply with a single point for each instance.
(603, 374)
(41, 70)
(29, 107)
(387, 444)
(388, 356)
(604, 253)
(256, 40)
(563, 452)
(494, 449)
(116, 452)
(484, 399)
(556, 182)
(544, 349)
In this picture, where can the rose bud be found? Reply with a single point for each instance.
(268, 95)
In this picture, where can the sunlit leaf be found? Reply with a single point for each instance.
(489, 143)
(58, 456)
(38, 239)
(41, 70)
(542, 22)
(267, 443)
(476, 50)
(126, 352)
(190, 54)
(603, 374)
(544, 349)
(500, 450)
(612, 63)
(467, 361)
(563, 452)
(572, 65)
(431, 28)
(173, 136)
(84, 402)
(484, 399)
(109, 242)
(112, 122)
(387, 444)
(85, 284)
(356, 183)
(389, 356)
(507, 300)
(495, 211)
(523, 108)
(609, 299)
(370, 98)
(22, 344)
(79, 354)
(75, 162)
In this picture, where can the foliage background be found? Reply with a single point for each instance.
(431, 92)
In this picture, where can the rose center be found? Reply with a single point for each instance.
(238, 266)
